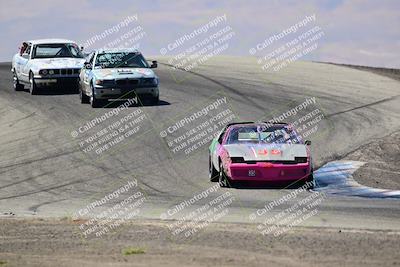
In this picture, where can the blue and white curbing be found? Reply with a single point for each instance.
(336, 178)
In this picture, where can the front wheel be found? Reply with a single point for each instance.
(17, 86)
(94, 102)
(83, 97)
(33, 87)
(212, 172)
(154, 100)
(223, 180)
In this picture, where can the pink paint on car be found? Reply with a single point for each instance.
(259, 152)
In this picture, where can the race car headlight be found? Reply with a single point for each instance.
(99, 82)
(237, 160)
(43, 72)
(51, 72)
(300, 159)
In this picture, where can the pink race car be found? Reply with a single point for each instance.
(266, 152)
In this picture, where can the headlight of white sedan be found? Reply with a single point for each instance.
(43, 72)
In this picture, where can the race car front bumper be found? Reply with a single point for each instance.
(54, 79)
(266, 171)
(49, 81)
(124, 93)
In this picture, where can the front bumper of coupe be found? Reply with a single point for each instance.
(266, 171)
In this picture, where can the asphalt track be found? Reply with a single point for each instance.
(43, 172)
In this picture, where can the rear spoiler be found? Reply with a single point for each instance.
(249, 122)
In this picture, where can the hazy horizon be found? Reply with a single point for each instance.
(355, 32)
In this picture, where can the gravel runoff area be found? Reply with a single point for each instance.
(382, 168)
(150, 243)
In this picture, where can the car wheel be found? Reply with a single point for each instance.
(310, 180)
(16, 84)
(212, 172)
(94, 102)
(84, 98)
(222, 178)
(154, 100)
(33, 87)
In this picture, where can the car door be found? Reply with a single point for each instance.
(86, 74)
(24, 64)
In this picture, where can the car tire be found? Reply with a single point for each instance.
(83, 97)
(33, 87)
(154, 100)
(213, 174)
(310, 180)
(94, 102)
(223, 180)
(16, 84)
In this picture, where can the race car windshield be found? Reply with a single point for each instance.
(263, 134)
(121, 60)
(56, 51)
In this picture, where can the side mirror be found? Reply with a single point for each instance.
(87, 66)
(307, 142)
(154, 64)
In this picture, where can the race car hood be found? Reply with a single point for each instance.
(58, 63)
(123, 73)
(261, 152)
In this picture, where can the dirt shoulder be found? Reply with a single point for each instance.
(382, 168)
(58, 243)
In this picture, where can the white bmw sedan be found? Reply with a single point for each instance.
(46, 62)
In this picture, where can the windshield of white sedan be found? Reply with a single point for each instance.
(263, 134)
(56, 51)
(121, 60)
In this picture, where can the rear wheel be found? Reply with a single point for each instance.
(212, 172)
(33, 87)
(16, 84)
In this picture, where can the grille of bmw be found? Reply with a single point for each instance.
(127, 82)
(135, 82)
(66, 71)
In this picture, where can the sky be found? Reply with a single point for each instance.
(361, 32)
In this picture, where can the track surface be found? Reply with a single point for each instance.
(44, 173)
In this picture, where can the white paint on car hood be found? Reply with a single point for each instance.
(264, 151)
